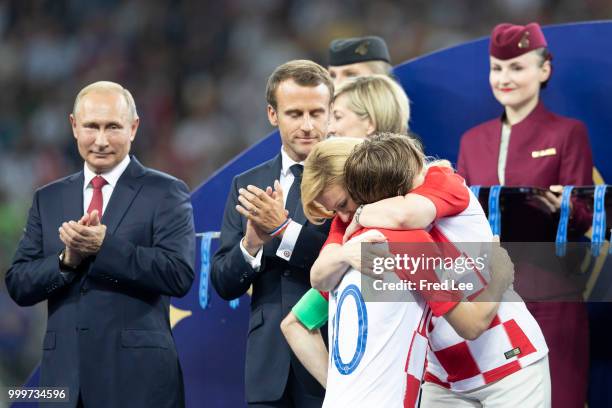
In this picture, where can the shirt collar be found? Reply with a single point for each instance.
(111, 176)
(287, 163)
(538, 113)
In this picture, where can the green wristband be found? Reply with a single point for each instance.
(311, 310)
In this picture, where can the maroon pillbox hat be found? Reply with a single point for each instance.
(510, 41)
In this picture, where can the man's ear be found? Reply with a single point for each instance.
(272, 116)
(134, 129)
(73, 125)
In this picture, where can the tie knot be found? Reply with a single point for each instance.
(297, 170)
(98, 182)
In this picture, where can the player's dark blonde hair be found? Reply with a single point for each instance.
(324, 168)
(383, 166)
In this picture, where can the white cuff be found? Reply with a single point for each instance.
(254, 261)
(290, 236)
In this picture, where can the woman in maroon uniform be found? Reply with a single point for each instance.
(531, 146)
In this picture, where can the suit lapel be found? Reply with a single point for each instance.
(124, 193)
(275, 172)
(72, 197)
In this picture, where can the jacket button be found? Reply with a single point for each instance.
(286, 273)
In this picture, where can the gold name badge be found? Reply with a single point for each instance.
(543, 153)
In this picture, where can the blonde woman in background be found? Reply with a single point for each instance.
(367, 105)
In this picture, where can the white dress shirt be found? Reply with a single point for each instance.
(503, 153)
(111, 178)
(290, 236)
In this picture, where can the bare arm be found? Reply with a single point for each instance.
(329, 267)
(308, 346)
(335, 259)
(412, 211)
(471, 319)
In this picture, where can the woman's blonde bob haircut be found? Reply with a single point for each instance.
(324, 168)
(379, 99)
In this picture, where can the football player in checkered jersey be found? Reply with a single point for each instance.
(390, 341)
(497, 367)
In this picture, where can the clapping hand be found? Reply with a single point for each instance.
(265, 208)
(84, 237)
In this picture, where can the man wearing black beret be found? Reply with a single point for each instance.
(358, 56)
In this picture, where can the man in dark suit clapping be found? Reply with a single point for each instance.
(269, 244)
(107, 247)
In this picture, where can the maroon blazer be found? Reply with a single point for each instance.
(545, 149)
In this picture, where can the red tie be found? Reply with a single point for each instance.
(96, 200)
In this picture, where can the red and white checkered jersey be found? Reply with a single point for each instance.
(377, 349)
(513, 341)
(460, 218)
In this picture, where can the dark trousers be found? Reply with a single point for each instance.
(295, 396)
(566, 330)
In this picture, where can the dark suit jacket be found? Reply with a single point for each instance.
(108, 330)
(277, 286)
